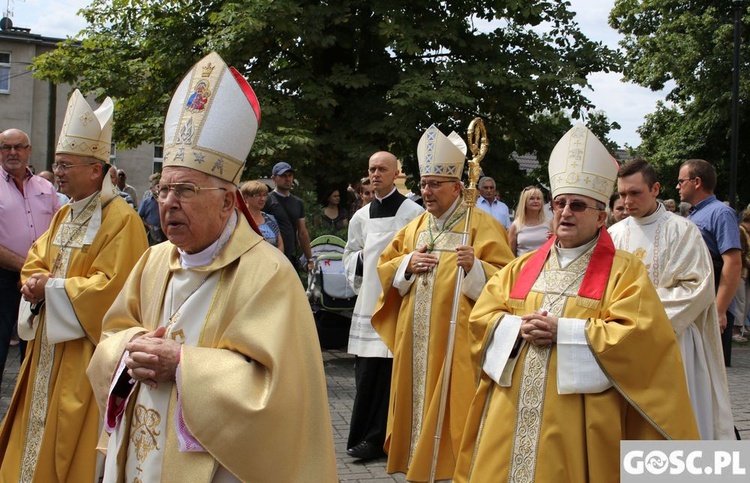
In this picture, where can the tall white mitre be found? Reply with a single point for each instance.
(86, 132)
(580, 164)
(212, 120)
(441, 155)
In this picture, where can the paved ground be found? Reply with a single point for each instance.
(339, 368)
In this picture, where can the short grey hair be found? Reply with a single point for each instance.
(486, 178)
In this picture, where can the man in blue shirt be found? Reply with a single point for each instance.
(490, 204)
(720, 229)
(149, 212)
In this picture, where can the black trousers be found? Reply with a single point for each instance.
(10, 297)
(726, 339)
(372, 376)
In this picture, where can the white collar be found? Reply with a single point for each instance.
(205, 256)
(566, 255)
(386, 196)
(440, 221)
(653, 217)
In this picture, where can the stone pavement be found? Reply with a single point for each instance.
(339, 368)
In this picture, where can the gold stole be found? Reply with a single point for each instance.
(558, 286)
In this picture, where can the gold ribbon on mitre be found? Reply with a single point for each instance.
(86, 132)
(580, 164)
(212, 120)
(441, 155)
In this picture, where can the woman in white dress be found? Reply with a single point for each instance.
(530, 227)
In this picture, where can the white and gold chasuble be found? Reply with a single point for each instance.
(69, 239)
(413, 319)
(530, 426)
(558, 284)
(147, 430)
(51, 426)
(187, 302)
(250, 385)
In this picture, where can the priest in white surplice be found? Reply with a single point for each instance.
(371, 229)
(680, 267)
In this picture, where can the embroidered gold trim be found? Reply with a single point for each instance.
(535, 369)
(144, 431)
(423, 298)
(72, 236)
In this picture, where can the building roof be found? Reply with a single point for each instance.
(22, 34)
(526, 162)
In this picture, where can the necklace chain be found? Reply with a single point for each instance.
(449, 223)
(56, 264)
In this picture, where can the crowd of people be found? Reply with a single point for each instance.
(173, 342)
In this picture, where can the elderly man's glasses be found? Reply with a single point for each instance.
(63, 167)
(680, 181)
(18, 147)
(434, 184)
(576, 206)
(183, 191)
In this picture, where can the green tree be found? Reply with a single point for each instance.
(338, 80)
(599, 123)
(686, 47)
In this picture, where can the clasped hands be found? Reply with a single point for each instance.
(153, 358)
(539, 328)
(422, 262)
(33, 289)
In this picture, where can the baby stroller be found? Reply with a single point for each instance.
(331, 298)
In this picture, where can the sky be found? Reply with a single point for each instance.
(625, 103)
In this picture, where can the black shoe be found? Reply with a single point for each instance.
(366, 451)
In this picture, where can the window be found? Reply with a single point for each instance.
(158, 159)
(112, 154)
(4, 72)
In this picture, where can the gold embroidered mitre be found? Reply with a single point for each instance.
(580, 164)
(86, 132)
(441, 155)
(212, 120)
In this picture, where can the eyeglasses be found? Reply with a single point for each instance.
(183, 191)
(66, 166)
(680, 181)
(576, 206)
(531, 187)
(367, 193)
(17, 147)
(434, 184)
(260, 195)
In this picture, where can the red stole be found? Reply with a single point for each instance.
(597, 273)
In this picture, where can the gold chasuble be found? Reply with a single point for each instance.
(415, 328)
(52, 425)
(250, 380)
(526, 430)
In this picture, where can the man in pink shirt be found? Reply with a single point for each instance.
(27, 204)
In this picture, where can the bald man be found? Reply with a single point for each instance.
(371, 229)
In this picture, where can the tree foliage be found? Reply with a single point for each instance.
(340, 79)
(686, 47)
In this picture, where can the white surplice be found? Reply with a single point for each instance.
(367, 239)
(679, 265)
